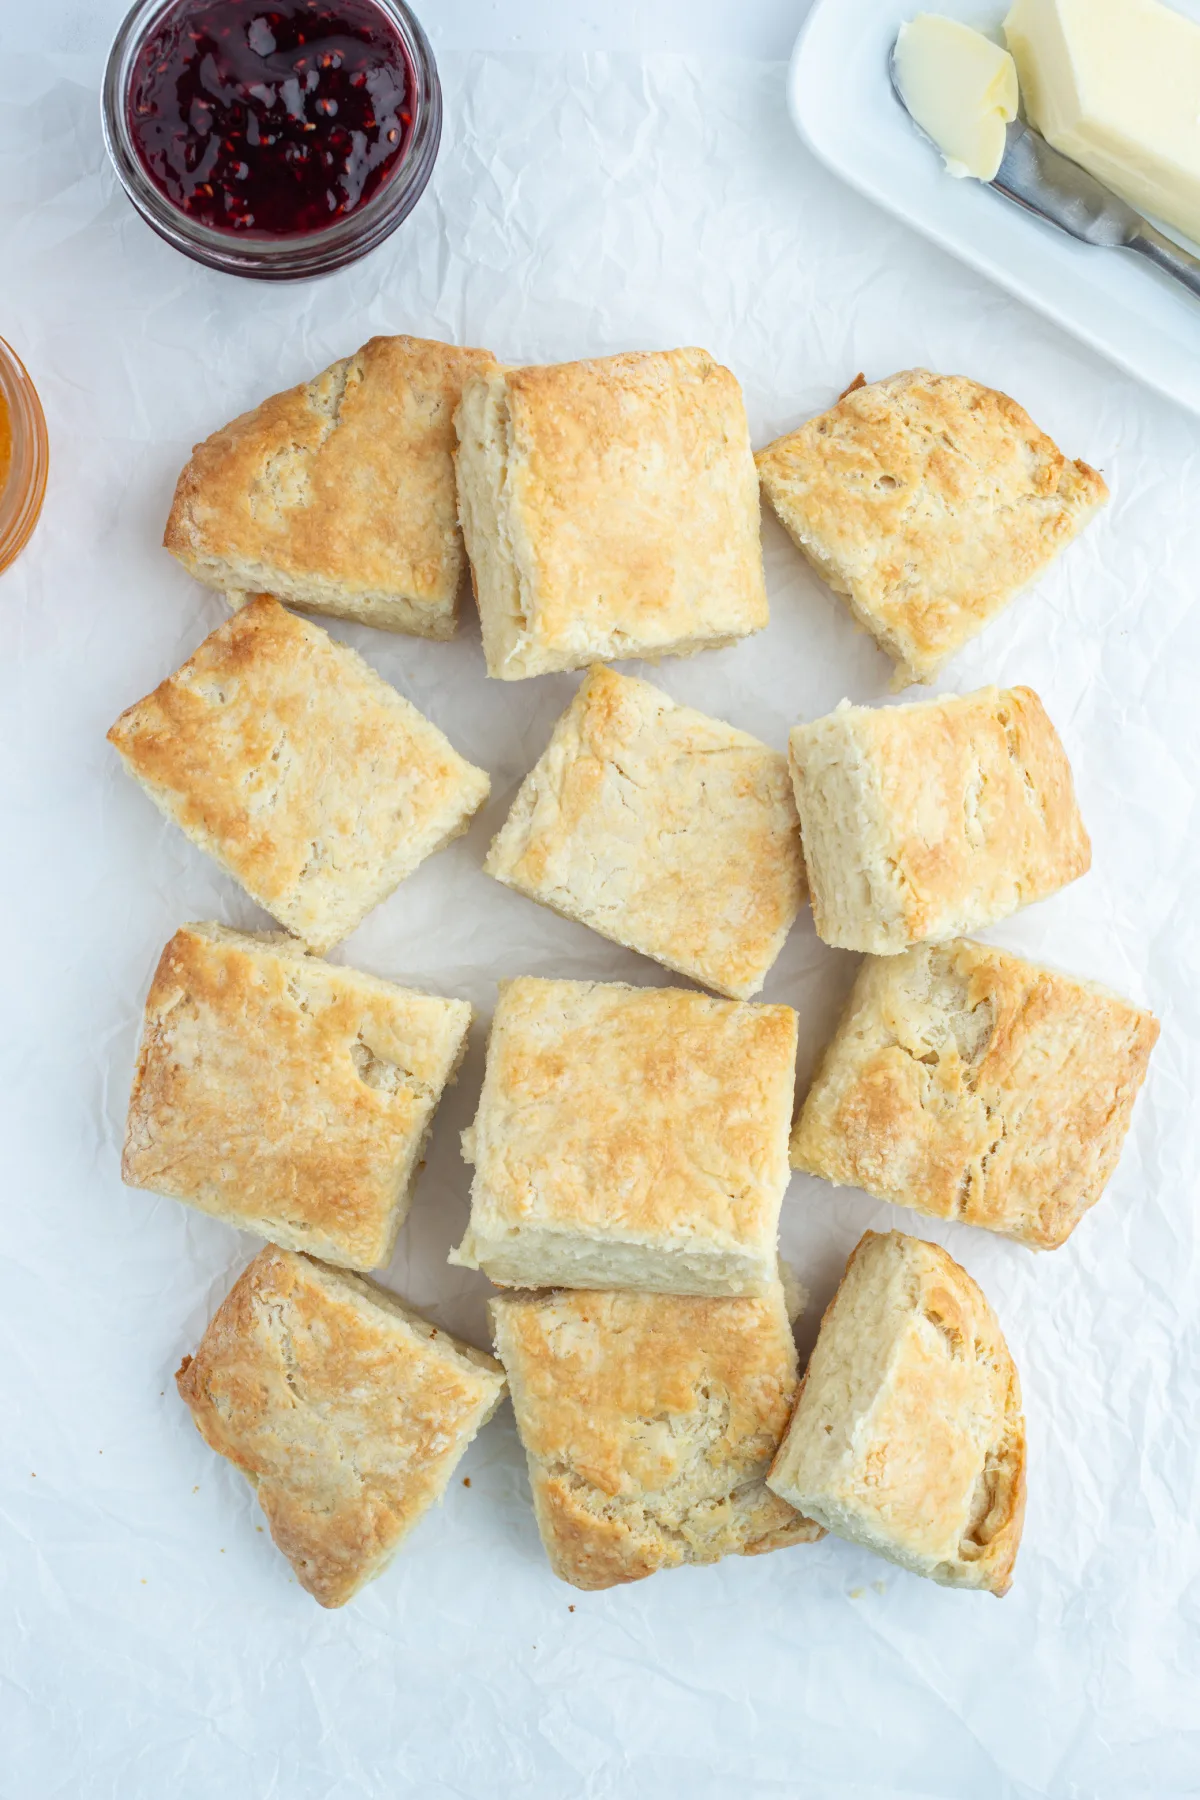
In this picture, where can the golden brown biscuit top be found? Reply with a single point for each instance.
(663, 828)
(620, 1386)
(979, 1086)
(641, 1111)
(348, 478)
(634, 494)
(928, 497)
(649, 1421)
(969, 807)
(282, 752)
(342, 1408)
(984, 773)
(295, 1088)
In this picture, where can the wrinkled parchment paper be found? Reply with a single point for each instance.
(154, 1643)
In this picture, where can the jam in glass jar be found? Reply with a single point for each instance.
(276, 138)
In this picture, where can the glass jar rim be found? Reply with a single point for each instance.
(24, 486)
(275, 258)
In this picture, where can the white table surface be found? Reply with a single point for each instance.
(763, 28)
(152, 1643)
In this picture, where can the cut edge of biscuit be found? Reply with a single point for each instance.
(481, 466)
(974, 1567)
(840, 809)
(548, 1256)
(410, 615)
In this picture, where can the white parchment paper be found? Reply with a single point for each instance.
(153, 1642)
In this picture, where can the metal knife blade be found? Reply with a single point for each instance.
(1036, 176)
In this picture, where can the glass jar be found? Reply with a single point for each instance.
(277, 258)
(23, 487)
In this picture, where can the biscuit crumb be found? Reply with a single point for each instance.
(466, 1481)
(880, 1587)
(857, 1593)
(196, 1489)
(570, 1609)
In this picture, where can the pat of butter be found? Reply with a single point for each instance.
(960, 88)
(1115, 85)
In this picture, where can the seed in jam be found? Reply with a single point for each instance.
(276, 120)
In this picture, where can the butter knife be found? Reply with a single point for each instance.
(1041, 179)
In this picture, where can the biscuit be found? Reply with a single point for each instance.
(649, 1421)
(287, 1096)
(630, 1138)
(665, 830)
(338, 496)
(908, 1436)
(930, 820)
(928, 502)
(346, 1411)
(306, 777)
(610, 509)
(972, 1085)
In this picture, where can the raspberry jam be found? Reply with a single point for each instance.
(271, 120)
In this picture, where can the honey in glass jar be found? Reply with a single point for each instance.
(24, 456)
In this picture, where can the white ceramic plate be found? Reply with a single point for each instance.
(843, 107)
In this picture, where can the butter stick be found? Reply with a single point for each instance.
(1115, 85)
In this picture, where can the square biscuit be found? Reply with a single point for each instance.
(908, 1436)
(630, 1138)
(287, 1096)
(610, 509)
(925, 821)
(928, 502)
(307, 778)
(338, 495)
(347, 1412)
(663, 829)
(970, 1084)
(649, 1422)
